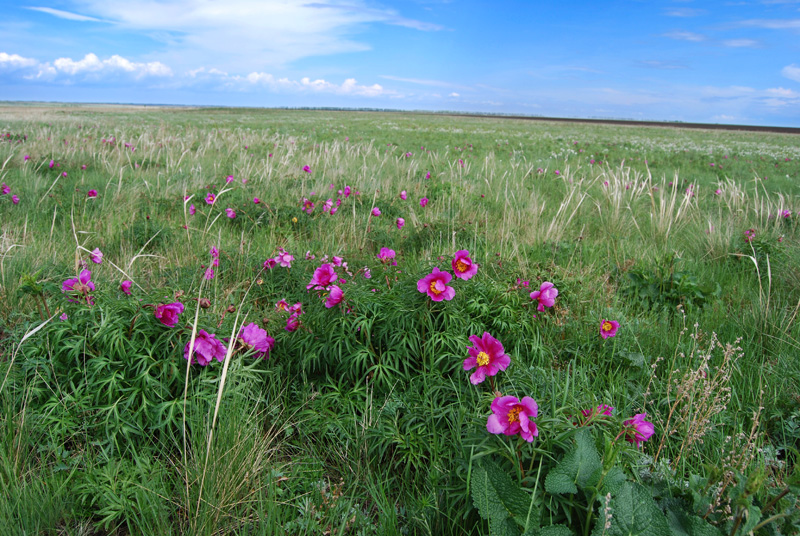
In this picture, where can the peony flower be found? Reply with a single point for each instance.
(428, 175)
(638, 430)
(27, 157)
(168, 314)
(608, 328)
(64, 317)
(206, 348)
(435, 285)
(488, 355)
(125, 287)
(717, 192)
(79, 287)
(256, 201)
(324, 277)
(386, 255)
(269, 264)
(335, 297)
(91, 193)
(253, 337)
(376, 211)
(229, 179)
(293, 322)
(97, 256)
(463, 267)
(308, 205)
(210, 198)
(510, 417)
(400, 223)
(209, 275)
(546, 295)
(307, 169)
(284, 259)
(192, 210)
(423, 202)
(230, 213)
(5, 189)
(15, 199)
(326, 206)
(403, 195)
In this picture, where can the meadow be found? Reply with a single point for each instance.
(239, 321)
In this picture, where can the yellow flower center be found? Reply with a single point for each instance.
(434, 289)
(461, 266)
(607, 326)
(483, 359)
(513, 415)
(294, 220)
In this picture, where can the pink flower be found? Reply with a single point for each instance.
(83, 167)
(326, 206)
(510, 417)
(376, 211)
(15, 199)
(125, 287)
(435, 285)
(79, 287)
(282, 305)
(428, 175)
(638, 430)
(5, 190)
(97, 256)
(228, 179)
(210, 198)
(337, 261)
(546, 295)
(253, 337)
(270, 263)
(52, 163)
(91, 193)
(284, 259)
(335, 297)
(192, 210)
(64, 317)
(400, 223)
(310, 256)
(168, 314)
(63, 173)
(308, 205)
(209, 275)
(463, 267)
(488, 355)
(206, 348)
(717, 192)
(403, 195)
(346, 192)
(602, 409)
(230, 213)
(256, 200)
(423, 202)
(292, 323)
(27, 157)
(608, 328)
(307, 169)
(386, 255)
(324, 277)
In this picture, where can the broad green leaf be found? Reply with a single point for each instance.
(633, 513)
(580, 467)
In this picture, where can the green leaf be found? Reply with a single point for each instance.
(580, 467)
(497, 497)
(555, 530)
(633, 513)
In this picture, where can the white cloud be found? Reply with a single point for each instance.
(115, 64)
(792, 72)
(454, 95)
(685, 12)
(685, 36)
(771, 24)
(741, 43)
(349, 87)
(245, 35)
(65, 14)
(15, 61)
(782, 92)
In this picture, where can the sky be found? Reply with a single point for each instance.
(734, 62)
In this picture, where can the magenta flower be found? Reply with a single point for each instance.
(463, 267)
(79, 287)
(717, 192)
(209, 275)
(64, 317)
(168, 314)
(400, 223)
(488, 355)
(27, 157)
(435, 285)
(282, 305)
(386, 255)
(326, 206)
(376, 211)
(210, 198)
(324, 277)
(293, 322)
(638, 430)
(15, 199)
(96, 256)
(6, 189)
(192, 210)
(284, 259)
(428, 175)
(91, 193)
(230, 213)
(256, 200)
(602, 409)
(125, 287)
(546, 295)
(253, 337)
(403, 195)
(269, 264)
(307, 169)
(206, 348)
(346, 192)
(83, 167)
(510, 417)
(423, 202)
(335, 297)
(52, 163)
(229, 179)
(608, 328)
(308, 205)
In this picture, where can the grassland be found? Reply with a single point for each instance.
(362, 420)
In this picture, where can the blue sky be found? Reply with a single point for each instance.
(709, 61)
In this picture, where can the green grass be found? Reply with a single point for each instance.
(363, 421)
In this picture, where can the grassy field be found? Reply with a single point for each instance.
(363, 419)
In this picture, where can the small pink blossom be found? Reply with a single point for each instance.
(210, 198)
(168, 313)
(308, 205)
(400, 223)
(334, 297)
(192, 210)
(435, 285)
(256, 200)
(15, 199)
(638, 430)
(463, 267)
(125, 287)
(423, 202)
(96, 256)
(608, 328)
(91, 193)
(386, 255)
(307, 169)
(229, 179)
(293, 322)
(209, 275)
(79, 287)
(230, 213)
(428, 175)
(717, 192)
(284, 259)
(546, 295)
(403, 195)
(254, 338)
(488, 355)
(5, 190)
(323, 277)
(376, 211)
(510, 416)
(206, 348)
